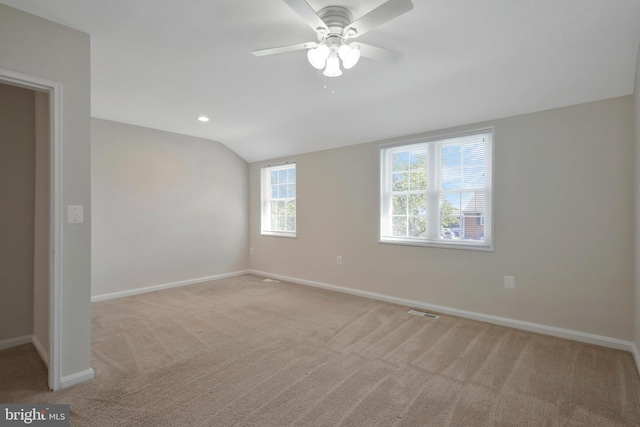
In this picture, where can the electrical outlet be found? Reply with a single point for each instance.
(339, 260)
(509, 282)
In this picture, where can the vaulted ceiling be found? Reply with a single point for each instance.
(162, 63)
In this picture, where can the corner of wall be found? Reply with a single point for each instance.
(636, 310)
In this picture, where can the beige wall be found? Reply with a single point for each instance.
(166, 208)
(41, 48)
(17, 164)
(563, 225)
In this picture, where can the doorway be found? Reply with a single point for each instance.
(38, 323)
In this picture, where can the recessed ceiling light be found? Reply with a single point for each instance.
(203, 118)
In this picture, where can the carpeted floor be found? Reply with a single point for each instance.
(244, 352)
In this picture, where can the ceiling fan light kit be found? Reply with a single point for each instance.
(334, 27)
(350, 54)
(333, 67)
(318, 56)
(327, 53)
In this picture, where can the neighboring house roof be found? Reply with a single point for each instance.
(475, 204)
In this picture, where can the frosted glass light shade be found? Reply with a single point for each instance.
(318, 56)
(333, 67)
(343, 51)
(351, 57)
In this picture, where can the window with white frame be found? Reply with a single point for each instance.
(279, 200)
(438, 191)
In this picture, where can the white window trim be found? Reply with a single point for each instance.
(265, 215)
(385, 238)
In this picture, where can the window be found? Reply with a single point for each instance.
(437, 192)
(279, 200)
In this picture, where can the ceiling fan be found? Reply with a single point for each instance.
(334, 27)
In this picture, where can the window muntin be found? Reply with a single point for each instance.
(279, 200)
(438, 192)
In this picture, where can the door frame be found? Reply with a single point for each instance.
(54, 89)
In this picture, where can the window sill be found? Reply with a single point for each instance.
(278, 234)
(460, 245)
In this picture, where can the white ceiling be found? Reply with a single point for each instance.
(161, 63)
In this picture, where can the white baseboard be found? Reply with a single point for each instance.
(14, 342)
(77, 378)
(502, 321)
(42, 351)
(146, 289)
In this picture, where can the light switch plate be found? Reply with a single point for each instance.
(75, 214)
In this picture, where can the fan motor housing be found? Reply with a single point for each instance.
(336, 18)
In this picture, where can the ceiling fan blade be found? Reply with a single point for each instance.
(378, 16)
(283, 49)
(306, 12)
(378, 53)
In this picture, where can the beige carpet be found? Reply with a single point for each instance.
(244, 352)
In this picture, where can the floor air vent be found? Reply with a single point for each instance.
(423, 314)
(271, 280)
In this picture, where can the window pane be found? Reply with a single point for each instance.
(290, 208)
(450, 219)
(400, 161)
(274, 177)
(451, 178)
(400, 182)
(291, 223)
(291, 191)
(417, 226)
(473, 177)
(282, 176)
(291, 175)
(417, 181)
(274, 208)
(466, 207)
(474, 154)
(417, 204)
(274, 222)
(449, 213)
(454, 199)
(280, 208)
(451, 155)
(399, 205)
(274, 192)
(400, 226)
(475, 204)
(281, 223)
(418, 159)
